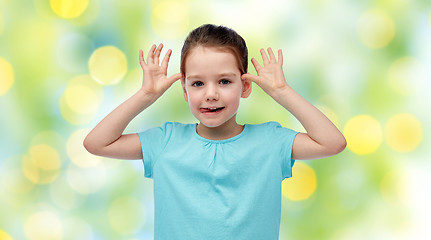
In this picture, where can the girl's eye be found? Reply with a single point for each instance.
(224, 82)
(197, 84)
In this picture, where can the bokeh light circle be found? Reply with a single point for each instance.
(43, 225)
(407, 76)
(42, 164)
(77, 228)
(302, 184)
(14, 182)
(392, 187)
(81, 100)
(69, 8)
(6, 76)
(77, 153)
(107, 65)
(86, 180)
(126, 215)
(176, 24)
(375, 29)
(63, 195)
(4, 235)
(12, 179)
(363, 134)
(403, 132)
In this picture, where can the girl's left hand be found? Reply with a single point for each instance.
(270, 77)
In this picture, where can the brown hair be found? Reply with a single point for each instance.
(209, 35)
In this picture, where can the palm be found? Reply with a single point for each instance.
(270, 76)
(155, 75)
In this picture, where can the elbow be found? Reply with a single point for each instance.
(87, 145)
(90, 146)
(339, 145)
(335, 146)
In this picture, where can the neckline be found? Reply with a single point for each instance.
(218, 141)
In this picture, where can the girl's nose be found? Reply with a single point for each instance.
(211, 93)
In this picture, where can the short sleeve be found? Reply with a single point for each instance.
(153, 141)
(284, 138)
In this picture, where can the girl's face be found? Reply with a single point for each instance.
(213, 86)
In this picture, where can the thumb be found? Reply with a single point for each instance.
(250, 77)
(174, 78)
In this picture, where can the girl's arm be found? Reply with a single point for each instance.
(107, 138)
(322, 139)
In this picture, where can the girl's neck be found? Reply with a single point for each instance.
(225, 131)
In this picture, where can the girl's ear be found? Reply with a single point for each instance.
(246, 88)
(183, 85)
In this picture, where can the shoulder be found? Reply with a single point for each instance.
(178, 130)
(168, 132)
(166, 129)
(267, 126)
(272, 130)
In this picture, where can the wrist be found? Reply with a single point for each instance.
(146, 96)
(280, 92)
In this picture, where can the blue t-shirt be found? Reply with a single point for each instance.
(217, 189)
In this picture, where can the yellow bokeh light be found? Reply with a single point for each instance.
(363, 134)
(77, 153)
(403, 132)
(302, 184)
(69, 8)
(407, 75)
(6, 76)
(375, 29)
(126, 215)
(42, 164)
(43, 225)
(176, 24)
(12, 179)
(107, 65)
(15, 182)
(45, 157)
(392, 188)
(81, 100)
(4, 235)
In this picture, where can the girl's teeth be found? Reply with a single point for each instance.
(214, 109)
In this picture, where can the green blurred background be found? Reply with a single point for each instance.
(65, 64)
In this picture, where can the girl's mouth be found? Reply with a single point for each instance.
(211, 110)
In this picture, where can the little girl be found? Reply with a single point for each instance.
(216, 179)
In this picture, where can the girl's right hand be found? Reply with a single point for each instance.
(155, 80)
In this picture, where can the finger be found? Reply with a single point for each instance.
(157, 54)
(264, 56)
(256, 65)
(165, 60)
(150, 56)
(271, 56)
(141, 58)
(280, 57)
(250, 77)
(174, 78)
